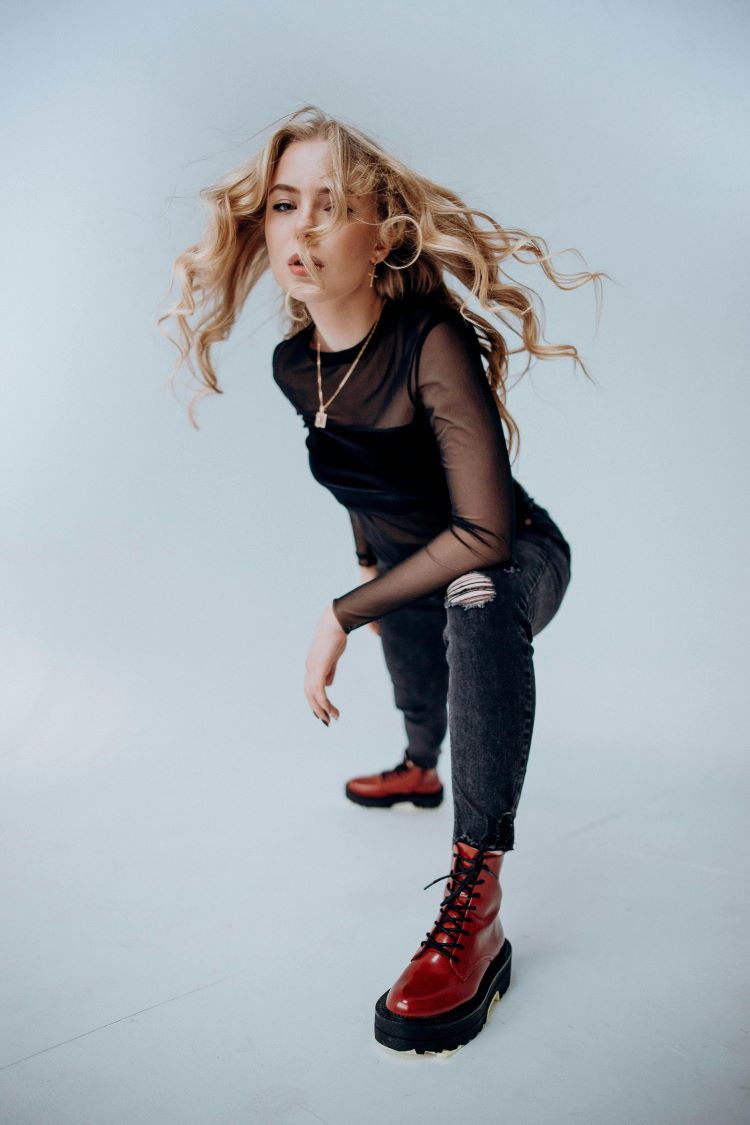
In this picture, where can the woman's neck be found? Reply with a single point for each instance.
(340, 325)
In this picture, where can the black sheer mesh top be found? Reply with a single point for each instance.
(413, 447)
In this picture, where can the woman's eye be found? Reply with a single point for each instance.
(283, 203)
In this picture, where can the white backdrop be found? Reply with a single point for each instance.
(175, 828)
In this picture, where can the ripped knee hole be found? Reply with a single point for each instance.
(472, 589)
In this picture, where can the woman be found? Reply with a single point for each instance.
(460, 568)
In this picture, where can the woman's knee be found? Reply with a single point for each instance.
(475, 588)
(483, 587)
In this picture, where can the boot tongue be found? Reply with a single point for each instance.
(453, 911)
(459, 877)
(461, 869)
(460, 902)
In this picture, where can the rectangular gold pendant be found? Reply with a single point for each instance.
(320, 418)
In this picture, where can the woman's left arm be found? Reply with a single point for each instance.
(453, 390)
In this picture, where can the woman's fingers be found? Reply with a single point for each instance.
(324, 709)
(333, 710)
(320, 703)
(328, 707)
(318, 710)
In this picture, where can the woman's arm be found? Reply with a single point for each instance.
(453, 390)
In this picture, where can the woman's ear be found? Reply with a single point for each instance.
(384, 243)
(381, 249)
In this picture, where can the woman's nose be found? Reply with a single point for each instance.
(305, 219)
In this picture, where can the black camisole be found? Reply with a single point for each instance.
(413, 447)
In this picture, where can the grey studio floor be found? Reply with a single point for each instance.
(197, 926)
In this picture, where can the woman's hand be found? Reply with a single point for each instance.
(367, 573)
(320, 668)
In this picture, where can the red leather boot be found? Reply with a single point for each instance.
(406, 782)
(442, 998)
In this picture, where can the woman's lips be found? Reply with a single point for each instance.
(296, 266)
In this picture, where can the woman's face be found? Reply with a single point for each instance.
(346, 254)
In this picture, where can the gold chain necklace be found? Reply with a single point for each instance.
(321, 417)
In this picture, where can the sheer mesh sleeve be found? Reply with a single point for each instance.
(365, 553)
(452, 388)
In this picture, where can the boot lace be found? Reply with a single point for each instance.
(402, 767)
(452, 918)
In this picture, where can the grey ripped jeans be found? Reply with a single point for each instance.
(462, 658)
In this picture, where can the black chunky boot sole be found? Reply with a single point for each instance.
(448, 1030)
(421, 800)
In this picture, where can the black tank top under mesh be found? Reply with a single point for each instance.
(413, 447)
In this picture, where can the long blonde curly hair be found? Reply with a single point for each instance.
(430, 231)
